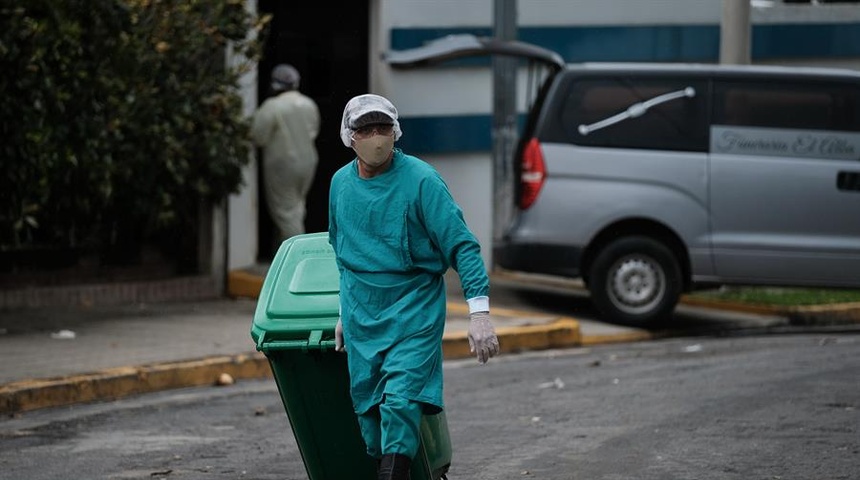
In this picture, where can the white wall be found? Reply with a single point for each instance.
(618, 12)
(443, 92)
(469, 177)
(242, 207)
(801, 13)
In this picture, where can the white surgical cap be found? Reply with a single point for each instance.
(285, 77)
(364, 110)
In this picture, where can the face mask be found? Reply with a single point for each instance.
(374, 151)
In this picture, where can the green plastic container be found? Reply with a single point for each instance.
(294, 327)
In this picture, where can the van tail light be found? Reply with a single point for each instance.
(533, 173)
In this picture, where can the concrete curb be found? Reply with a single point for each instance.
(620, 337)
(841, 313)
(122, 382)
(546, 333)
(826, 314)
(116, 383)
(558, 334)
(244, 284)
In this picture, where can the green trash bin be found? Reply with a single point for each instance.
(294, 327)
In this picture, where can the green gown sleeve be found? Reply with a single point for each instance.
(447, 229)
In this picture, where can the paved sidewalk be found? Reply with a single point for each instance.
(53, 356)
(48, 343)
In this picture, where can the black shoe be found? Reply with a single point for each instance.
(394, 466)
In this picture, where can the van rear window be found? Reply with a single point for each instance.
(671, 113)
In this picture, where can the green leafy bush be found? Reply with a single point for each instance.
(119, 118)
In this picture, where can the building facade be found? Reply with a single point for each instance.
(446, 110)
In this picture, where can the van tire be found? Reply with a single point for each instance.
(635, 281)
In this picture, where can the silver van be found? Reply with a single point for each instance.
(650, 180)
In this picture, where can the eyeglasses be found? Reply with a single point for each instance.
(368, 131)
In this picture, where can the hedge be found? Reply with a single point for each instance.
(118, 119)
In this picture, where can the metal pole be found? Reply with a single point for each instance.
(735, 32)
(504, 118)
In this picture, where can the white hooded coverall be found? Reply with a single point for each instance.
(286, 126)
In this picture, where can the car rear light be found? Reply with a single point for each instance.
(533, 174)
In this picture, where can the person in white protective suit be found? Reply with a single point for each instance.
(286, 126)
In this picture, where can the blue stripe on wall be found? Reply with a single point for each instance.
(806, 41)
(628, 44)
(449, 134)
(661, 43)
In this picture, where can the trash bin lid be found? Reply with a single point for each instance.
(300, 291)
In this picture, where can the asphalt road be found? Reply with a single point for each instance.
(760, 407)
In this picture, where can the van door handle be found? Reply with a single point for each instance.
(848, 181)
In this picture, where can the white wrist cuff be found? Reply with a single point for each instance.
(479, 304)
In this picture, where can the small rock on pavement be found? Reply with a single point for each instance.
(63, 335)
(224, 379)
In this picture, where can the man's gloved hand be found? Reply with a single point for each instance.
(482, 336)
(338, 336)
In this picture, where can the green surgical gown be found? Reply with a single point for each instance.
(394, 236)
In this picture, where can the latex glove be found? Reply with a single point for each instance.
(338, 336)
(483, 341)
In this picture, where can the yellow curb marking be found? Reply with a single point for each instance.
(562, 332)
(625, 337)
(738, 307)
(558, 334)
(121, 382)
(244, 284)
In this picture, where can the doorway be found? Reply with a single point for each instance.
(332, 57)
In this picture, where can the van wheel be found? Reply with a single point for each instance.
(635, 281)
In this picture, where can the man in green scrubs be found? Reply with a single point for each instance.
(396, 229)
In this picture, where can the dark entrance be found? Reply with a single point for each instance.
(332, 57)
